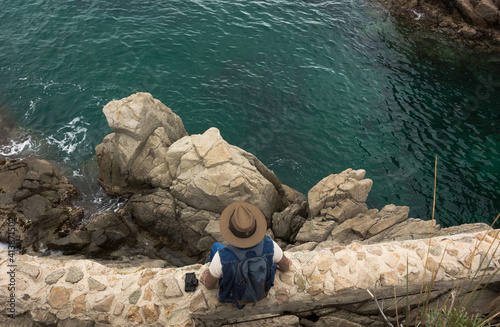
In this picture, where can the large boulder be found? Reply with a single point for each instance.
(132, 158)
(340, 196)
(35, 204)
(209, 174)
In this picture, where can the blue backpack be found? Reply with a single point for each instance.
(247, 276)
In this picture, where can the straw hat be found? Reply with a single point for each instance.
(242, 224)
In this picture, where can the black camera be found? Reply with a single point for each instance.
(191, 282)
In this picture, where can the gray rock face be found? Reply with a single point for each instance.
(209, 174)
(36, 199)
(341, 196)
(131, 157)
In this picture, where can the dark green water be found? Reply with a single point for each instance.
(310, 87)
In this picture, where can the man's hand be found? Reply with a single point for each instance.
(208, 280)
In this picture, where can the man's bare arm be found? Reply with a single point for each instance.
(284, 264)
(208, 280)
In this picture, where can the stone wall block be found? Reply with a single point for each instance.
(343, 284)
(487, 10)
(146, 276)
(198, 302)
(151, 313)
(53, 277)
(95, 285)
(134, 296)
(79, 304)
(105, 304)
(74, 275)
(59, 297)
(167, 288)
(134, 315)
(30, 270)
(118, 309)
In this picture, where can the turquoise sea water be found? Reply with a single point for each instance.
(310, 87)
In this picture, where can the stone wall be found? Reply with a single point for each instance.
(330, 282)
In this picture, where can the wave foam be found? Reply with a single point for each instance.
(18, 146)
(70, 136)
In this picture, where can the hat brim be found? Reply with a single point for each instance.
(232, 239)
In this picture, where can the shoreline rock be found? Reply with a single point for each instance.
(475, 23)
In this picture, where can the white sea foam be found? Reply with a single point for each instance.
(70, 136)
(18, 146)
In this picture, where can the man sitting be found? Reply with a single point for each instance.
(243, 226)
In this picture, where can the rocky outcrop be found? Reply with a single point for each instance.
(474, 21)
(179, 184)
(209, 174)
(325, 287)
(133, 157)
(36, 199)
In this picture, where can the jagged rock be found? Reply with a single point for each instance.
(37, 200)
(333, 191)
(131, 157)
(488, 11)
(108, 232)
(410, 229)
(287, 223)
(209, 174)
(72, 243)
(315, 230)
(368, 224)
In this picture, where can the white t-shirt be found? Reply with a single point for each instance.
(216, 266)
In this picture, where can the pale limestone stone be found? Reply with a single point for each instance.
(169, 309)
(148, 294)
(52, 278)
(118, 309)
(105, 304)
(432, 265)
(127, 281)
(355, 246)
(342, 259)
(151, 313)
(198, 303)
(286, 278)
(315, 290)
(401, 269)
(59, 297)
(366, 280)
(315, 230)
(300, 282)
(167, 288)
(436, 250)
(113, 281)
(282, 295)
(209, 174)
(134, 315)
(304, 257)
(103, 319)
(146, 276)
(95, 285)
(325, 263)
(389, 279)
(452, 252)
(343, 284)
(316, 279)
(329, 287)
(29, 270)
(79, 304)
(308, 270)
(74, 275)
(392, 260)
